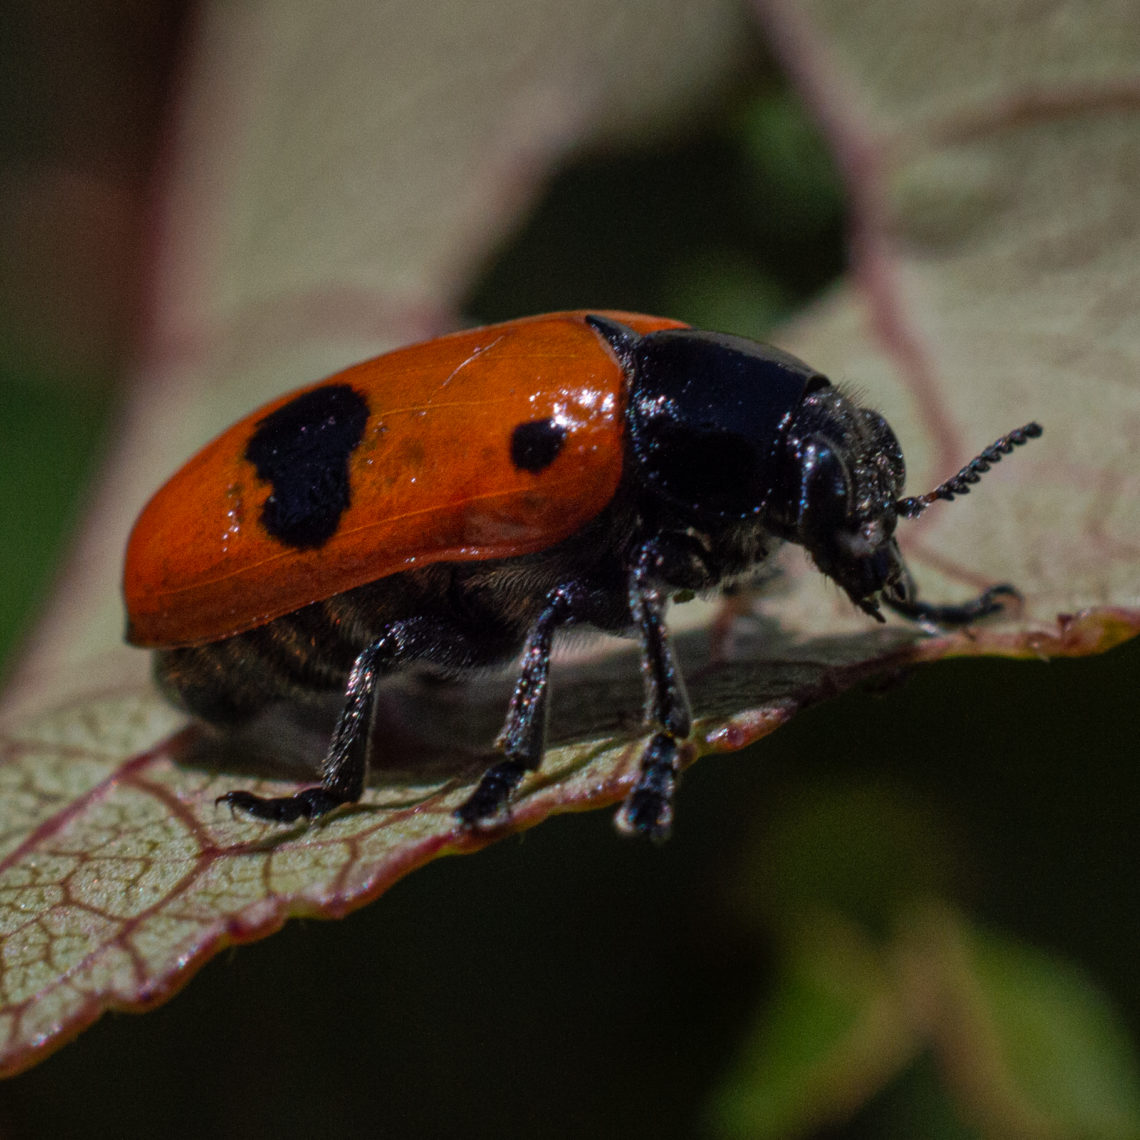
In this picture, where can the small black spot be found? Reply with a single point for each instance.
(536, 445)
(302, 451)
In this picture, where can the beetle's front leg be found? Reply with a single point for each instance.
(648, 809)
(903, 600)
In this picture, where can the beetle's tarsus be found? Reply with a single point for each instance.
(309, 804)
(489, 806)
(648, 809)
(935, 617)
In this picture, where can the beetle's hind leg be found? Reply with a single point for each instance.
(344, 769)
(345, 766)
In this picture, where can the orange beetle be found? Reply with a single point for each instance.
(456, 501)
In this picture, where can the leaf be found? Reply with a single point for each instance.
(850, 880)
(833, 1032)
(120, 877)
(1025, 1044)
(1028, 1044)
(358, 170)
(995, 277)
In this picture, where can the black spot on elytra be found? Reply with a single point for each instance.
(302, 451)
(535, 445)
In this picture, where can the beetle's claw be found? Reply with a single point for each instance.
(489, 805)
(648, 809)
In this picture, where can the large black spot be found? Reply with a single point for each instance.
(535, 445)
(302, 451)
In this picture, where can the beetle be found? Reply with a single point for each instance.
(455, 503)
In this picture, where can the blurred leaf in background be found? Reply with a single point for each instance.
(877, 969)
(83, 96)
(743, 225)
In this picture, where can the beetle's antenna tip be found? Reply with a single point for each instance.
(914, 505)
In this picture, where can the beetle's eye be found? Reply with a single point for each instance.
(825, 495)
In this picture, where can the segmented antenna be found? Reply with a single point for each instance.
(912, 507)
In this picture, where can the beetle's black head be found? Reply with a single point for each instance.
(843, 470)
(848, 469)
(731, 435)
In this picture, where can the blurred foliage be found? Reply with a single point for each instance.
(49, 433)
(82, 99)
(732, 225)
(901, 917)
